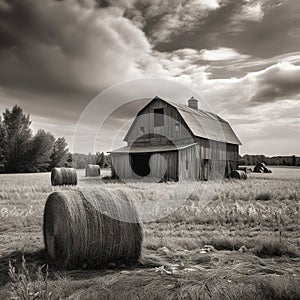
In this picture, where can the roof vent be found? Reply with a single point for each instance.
(193, 103)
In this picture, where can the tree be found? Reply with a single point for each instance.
(17, 136)
(2, 147)
(41, 151)
(100, 159)
(60, 152)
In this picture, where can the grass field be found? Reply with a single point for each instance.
(261, 213)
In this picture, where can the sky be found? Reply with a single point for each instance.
(241, 57)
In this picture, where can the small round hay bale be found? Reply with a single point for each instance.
(237, 174)
(91, 228)
(261, 168)
(92, 171)
(63, 176)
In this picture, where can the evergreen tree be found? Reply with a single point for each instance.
(17, 136)
(60, 153)
(2, 147)
(41, 151)
(100, 159)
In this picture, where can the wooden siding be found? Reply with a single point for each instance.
(217, 158)
(159, 135)
(189, 163)
(122, 166)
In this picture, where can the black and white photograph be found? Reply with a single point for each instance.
(149, 149)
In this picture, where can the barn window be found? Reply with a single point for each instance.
(177, 127)
(186, 164)
(158, 117)
(142, 130)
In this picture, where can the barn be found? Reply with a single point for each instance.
(172, 142)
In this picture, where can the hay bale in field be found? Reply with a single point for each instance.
(63, 176)
(258, 170)
(237, 174)
(261, 168)
(91, 228)
(92, 171)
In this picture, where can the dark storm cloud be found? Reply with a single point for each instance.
(65, 52)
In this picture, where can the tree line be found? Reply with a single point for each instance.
(250, 160)
(81, 160)
(21, 151)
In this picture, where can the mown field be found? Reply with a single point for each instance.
(262, 214)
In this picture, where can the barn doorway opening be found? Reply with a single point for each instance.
(140, 164)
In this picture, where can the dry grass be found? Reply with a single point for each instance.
(24, 287)
(236, 216)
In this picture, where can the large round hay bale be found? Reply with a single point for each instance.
(92, 171)
(91, 228)
(238, 174)
(63, 176)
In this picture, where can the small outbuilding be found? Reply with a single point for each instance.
(173, 141)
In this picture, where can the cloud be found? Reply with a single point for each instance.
(278, 82)
(67, 47)
(251, 11)
(221, 54)
(164, 21)
(169, 18)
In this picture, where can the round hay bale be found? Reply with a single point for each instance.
(63, 176)
(92, 171)
(258, 169)
(261, 168)
(237, 174)
(91, 228)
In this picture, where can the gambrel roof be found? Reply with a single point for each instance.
(202, 123)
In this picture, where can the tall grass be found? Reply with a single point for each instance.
(24, 287)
